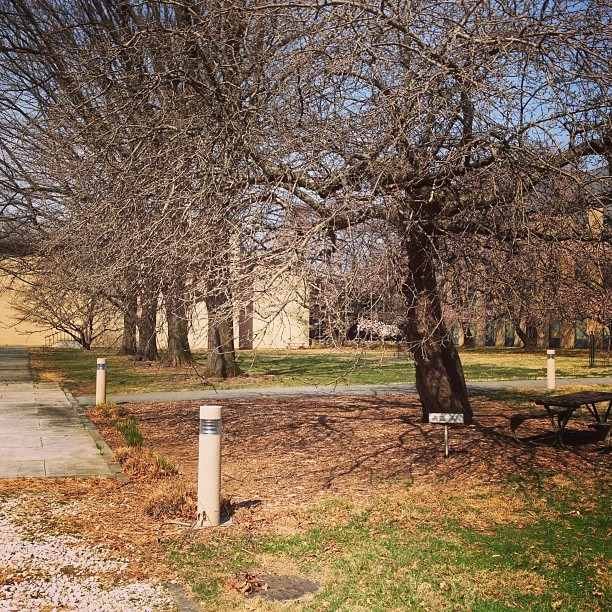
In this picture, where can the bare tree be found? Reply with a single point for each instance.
(143, 111)
(48, 296)
(442, 121)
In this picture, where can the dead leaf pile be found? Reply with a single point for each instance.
(246, 584)
(287, 452)
(175, 499)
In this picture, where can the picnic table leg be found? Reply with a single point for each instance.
(555, 426)
(559, 425)
(592, 408)
(563, 419)
(606, 448)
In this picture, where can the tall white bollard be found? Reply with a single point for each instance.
(101, 382)
(550, 369)
(209, 467)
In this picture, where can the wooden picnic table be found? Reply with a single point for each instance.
(563, 407)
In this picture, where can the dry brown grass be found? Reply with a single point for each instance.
(142, 462)
(175, 499)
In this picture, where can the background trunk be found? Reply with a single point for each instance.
(147, 329)
(221, 350)
(84, 342)
(128, 339)
(440, 381)
(529, 341)
(179, 351)
(469, 341)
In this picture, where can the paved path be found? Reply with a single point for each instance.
(330, 391)
(41, 433)
(14, 365)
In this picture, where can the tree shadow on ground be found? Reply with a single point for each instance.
(293, 448)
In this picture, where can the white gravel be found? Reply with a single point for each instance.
(49, 572)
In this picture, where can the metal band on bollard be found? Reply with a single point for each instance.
(210, 426)
(209, 467)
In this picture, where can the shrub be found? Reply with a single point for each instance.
(111, 411)
(123, 422)
(106, 411)
(142, 461)
(128, 428)
(174, 500)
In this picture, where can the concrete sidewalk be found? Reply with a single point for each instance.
(14, 365)
(41, 433)
(329, 391)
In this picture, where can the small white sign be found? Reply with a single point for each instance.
(445, 418)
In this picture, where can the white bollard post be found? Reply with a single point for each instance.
(550, 369)
(101, 382)
(209, 467)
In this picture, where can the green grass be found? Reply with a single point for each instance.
(77, 369)
(548, 549)
(515, 364)
(128, 428)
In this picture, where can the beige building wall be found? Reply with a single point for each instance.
(198, 332)
(23, 334)
(280, 320)
(269, 323)
(276, 318)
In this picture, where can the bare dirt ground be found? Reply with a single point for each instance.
(291, 449)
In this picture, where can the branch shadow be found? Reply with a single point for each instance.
(281, 448)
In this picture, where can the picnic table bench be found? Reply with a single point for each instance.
(560, 408)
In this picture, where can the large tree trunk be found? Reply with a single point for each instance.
(221, 350)
(129, 344)
(338, 336)
(439, 376)
(147, 328)
(178, 353)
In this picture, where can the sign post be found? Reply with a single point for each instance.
(445, 418)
